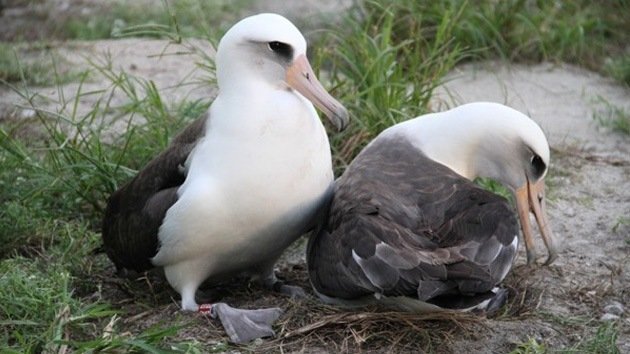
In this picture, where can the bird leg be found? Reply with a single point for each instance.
(269, 280)
(497, 301)
(205, 309)
(241, 325)
(295, 292)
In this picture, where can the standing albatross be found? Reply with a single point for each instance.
(240, 184)
(407, 226)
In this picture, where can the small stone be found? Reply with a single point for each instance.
(570, 212)
(609, 317)
(27, 113)
(615, 308)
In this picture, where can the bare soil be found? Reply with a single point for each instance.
(559, 305)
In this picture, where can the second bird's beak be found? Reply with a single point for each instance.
(531, 197)
(300, 77)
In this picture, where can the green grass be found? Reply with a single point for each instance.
(38, 71)
(587, 33)
(38, 307)
(495, 187)
(110, 19)
(612, 117)
(74, 169)
(619, 69)
(42, 308)
(603, 341)
(40, 312)
(389, 56)
(383, 78)
(54, 192)
(530, 347)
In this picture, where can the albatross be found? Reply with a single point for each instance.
(408, 227)
(238, 185)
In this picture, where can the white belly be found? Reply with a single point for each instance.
(244, 200)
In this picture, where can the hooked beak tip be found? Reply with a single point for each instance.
(530, 199)
(531, 256)
(553, 255)
(341, 119)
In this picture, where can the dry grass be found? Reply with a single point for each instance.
(312, 325)
(307, 324)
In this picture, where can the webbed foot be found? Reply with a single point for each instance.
(295, 292)
(499, 299)
(243, 326)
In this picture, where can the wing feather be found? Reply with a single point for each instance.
(135, 211)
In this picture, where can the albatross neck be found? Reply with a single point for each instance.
(472, 146)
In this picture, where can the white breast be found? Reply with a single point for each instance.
(254, 184)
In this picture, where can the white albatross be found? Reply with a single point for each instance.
(409, 229)
(240, 184)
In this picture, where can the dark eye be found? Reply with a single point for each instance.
(282, 49)
(538, 166)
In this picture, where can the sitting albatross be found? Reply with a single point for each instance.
(240, 184)
(409, 229)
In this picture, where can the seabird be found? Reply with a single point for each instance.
(409, 228)
(238, 185)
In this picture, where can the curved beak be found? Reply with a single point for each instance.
(531, 197)
(300, 77)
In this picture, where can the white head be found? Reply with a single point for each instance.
(510, 147)
(268, 48)
(491, 140)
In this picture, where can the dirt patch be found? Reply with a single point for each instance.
(33, 20)
(174, 68)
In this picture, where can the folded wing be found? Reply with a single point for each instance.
(135, 211)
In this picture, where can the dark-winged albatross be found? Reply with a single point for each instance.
(237, 186)
(408, 227)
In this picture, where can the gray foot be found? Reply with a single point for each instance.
(242, 326)
(497, 301)
(295, 292)
(269, 280)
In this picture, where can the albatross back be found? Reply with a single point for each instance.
(402, 224)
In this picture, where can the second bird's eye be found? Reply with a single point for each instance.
(282, 49)
(538, 166)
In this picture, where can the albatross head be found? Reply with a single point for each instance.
(513, 150)
(532, 152)
(270, 48)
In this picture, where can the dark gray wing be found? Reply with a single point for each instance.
(135, 211)
(402, 224)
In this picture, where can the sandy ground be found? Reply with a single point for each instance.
(588, 185)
